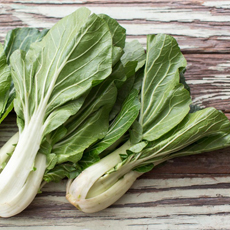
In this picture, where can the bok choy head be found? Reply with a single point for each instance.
(166, 128)
(20, 38)
(51, 81)
(65, 145)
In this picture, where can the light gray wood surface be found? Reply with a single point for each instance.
(186, 193)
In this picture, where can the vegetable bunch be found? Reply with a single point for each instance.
(92, 107)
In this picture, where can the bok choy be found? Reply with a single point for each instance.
(20, 38)
(52, 80)
(165, 128)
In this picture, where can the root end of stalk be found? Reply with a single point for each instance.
(73, 201)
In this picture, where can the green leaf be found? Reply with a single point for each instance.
(144, 168)
(206, 144)
(133, 51)
(57, 135)
(123, 94)
(118, 75)
(135, 132)
(120, 124)
(194, 108)
(182, 79)
(103, 95)
(73, 56)
(129, 65)
(5, 82)
(195, 127)
(176, 107)
(118, 34)
(88, 159)
(164, 101)
(21, 38)
(7, 111)
(116, 54)
(51, 160)
(94, 128)
(117, 31)
(61, 171)
(88, 125)
(137, 148)
(130, 68)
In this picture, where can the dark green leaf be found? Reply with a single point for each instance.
(121, 123)
(5, 82)
(117, 31)
(133, 52)
(21, 38)
(61, 171)
(135, 132)
(194, 108)
(164, 101)
(182, 79)
(144, 168)
(195, 127)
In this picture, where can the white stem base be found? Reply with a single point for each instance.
(89, 198)
(26, 195)
(107, 198)
(7, 148)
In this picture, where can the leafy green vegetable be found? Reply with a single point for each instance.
(20, 38)
(166, 128)
(51, 82)
(63, 144)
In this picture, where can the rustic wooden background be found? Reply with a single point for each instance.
(186, 193)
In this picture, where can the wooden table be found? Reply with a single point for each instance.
(186, 193)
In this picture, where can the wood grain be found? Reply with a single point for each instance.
(185, 193)
(199, 26)
(165, 204)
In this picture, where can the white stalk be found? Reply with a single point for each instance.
(108, 197)
(27, 193)
(80, 187)
(105, 182)
(7, 148)
(16, 172)
(95, 189)
(91, 192)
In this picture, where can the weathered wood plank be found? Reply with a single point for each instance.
(197, 29)
(191, 4)
(158, 203)
(209, 78)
